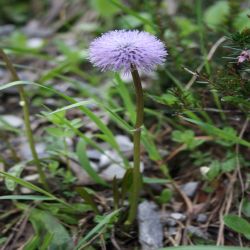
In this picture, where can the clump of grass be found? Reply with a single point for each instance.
(26, 114)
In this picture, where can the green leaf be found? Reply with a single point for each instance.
(105, 7)
(58, 132)
(2, 240)
(97, 229)
(238, 224)
(32, 243)
(217, 14)
(186, 26)
(246, 208)
(84, 161)
(186, 137)
(131, 12)
(242, 21)
(150, 146)
(214, 170)
(126, 183)
(229, 165)
(116, 193)
(169, 99)
(15, 171)
(47, 241)
(89, 198)
(132, 22)
(151, 180)
(230, 131)
(47, 225)
(165, 196)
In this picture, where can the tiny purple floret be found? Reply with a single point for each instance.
(119, 49)
(244, 56)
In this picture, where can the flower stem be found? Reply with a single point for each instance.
(26, 114)
(137, 180)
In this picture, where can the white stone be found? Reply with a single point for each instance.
(35, 43)
(13, 120)
(178, 216)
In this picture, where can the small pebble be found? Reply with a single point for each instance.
(125, 143)
(2, 169)
(202, 218)
(114, 170)
(93, 154)
(190, 188)
(25, 190)
(172, 231)
(170, 222)
(178, 216)
(32, 177)
(150, 226)
(13, 120)
(35, 43)
(26, 153)
(107, 158)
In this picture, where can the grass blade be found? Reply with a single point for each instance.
(33, 187)
(26, 197)
(97, 229)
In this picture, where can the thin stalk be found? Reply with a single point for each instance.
(26, 114)
(137, 180)
(199, 15)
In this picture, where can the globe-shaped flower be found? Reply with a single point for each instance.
(120, 50)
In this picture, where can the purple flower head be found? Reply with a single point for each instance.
(120, 49)
(244, 56)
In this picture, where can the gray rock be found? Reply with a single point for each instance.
(34, 29)
(2, 72)
(150, 227)
(202, 218)
(116, 170)
(6, 29)
(13, 120)
(108, 158)
(178, 216)
(172, 231)
(93, 154)
(170, 222)
(32, 177)
(82, 176)
(125, 143)
(35, 42)
(26, 154)
(190, 188)
(25, 190)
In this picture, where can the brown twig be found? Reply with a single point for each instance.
(113, 240)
